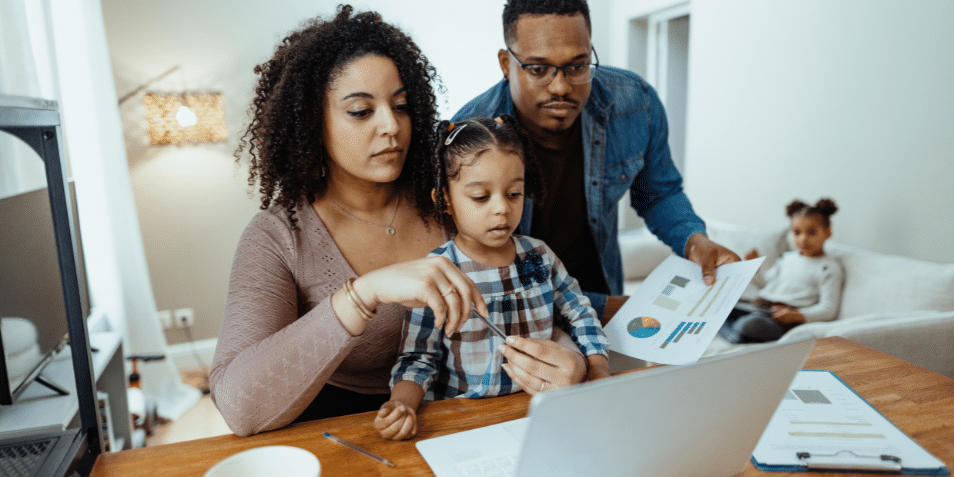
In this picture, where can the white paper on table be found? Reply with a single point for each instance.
(823, 416)
(673, 316)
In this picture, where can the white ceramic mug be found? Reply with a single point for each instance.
(284, 461)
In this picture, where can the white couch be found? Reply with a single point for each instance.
(896, 305)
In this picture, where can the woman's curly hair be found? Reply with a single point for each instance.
(285, 137)
(472, 138)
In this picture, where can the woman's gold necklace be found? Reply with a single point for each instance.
(389, 228)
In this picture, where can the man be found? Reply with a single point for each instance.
(598, 131)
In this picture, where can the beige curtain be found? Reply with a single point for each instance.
(67, 60)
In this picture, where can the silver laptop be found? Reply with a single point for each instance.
(702, 419)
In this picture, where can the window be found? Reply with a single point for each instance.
(659, 52)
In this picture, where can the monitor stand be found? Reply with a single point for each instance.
(52, 385)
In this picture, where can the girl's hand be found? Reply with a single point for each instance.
(396, 421)
(541, 365)
(433, 282)
(787, 315)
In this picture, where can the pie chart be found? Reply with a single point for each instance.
(643, 327)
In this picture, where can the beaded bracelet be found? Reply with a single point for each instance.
(368, 315)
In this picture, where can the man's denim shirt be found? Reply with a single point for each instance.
(625, 146)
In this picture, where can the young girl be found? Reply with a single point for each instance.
(804, 285)
(482, 174)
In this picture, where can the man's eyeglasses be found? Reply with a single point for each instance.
(541, 74)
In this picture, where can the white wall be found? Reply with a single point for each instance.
(805, 99)
(193, 202)
(808, 98)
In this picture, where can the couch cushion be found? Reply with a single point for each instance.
(920, 337)
(878, 283)
(874, 282)
(770, 243)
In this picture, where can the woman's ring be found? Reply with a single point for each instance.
(448, 292)
(542, 385)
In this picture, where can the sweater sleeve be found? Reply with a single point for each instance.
(829, 293)
(270, 364)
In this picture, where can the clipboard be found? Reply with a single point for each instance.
(822, 425)
(848, 460)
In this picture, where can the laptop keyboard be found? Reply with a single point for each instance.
(24, 459)
(502, 465)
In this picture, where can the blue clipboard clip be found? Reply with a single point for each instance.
(848, 460)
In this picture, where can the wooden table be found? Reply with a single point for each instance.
(918, 401)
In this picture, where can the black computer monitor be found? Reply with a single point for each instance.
(30, 286)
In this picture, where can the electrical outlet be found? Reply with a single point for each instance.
(184, 317)
(165, 318)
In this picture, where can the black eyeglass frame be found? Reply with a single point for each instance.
(557, 69)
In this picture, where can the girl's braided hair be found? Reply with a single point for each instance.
(469, 139)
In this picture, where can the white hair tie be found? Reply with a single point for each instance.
(453, 134)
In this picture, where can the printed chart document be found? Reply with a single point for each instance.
(673, 316)
(823, 424)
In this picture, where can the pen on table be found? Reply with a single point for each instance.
(354, 447)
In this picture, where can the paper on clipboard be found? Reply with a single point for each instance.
(824, 418)
(673, 316)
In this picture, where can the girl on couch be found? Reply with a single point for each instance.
(803, 286)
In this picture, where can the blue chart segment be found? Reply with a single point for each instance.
(643, 327)
(683, 329)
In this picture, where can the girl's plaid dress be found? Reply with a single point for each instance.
(521, 299)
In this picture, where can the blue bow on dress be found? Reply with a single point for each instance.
(531, 268)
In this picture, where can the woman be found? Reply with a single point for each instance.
(342, 125)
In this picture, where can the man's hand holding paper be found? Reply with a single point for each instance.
(673, 315)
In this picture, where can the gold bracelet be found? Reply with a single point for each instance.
(368, 315)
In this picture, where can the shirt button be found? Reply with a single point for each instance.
(596, 183)
(623, 177)
(596, 143)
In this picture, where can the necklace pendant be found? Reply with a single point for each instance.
(390, 230)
